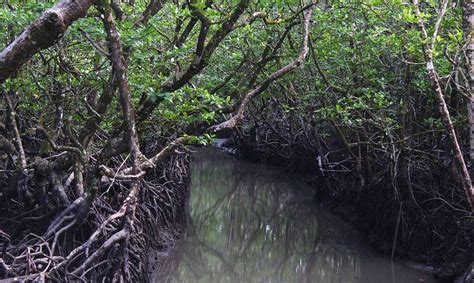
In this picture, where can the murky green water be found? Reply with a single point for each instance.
(251, 223)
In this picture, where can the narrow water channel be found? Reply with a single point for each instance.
(252, 223)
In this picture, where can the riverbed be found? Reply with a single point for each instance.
(251, 222)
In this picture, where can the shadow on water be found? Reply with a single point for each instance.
(251, 223)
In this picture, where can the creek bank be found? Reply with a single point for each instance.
(168, 220)
(373, 210)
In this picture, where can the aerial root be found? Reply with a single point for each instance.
(60, 221)
(113, 236)
(107, 230)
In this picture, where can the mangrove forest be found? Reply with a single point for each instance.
(210, 141)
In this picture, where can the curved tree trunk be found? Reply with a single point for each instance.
(41, 34)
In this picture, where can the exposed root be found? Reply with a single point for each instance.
(59, 222)
(112, 238)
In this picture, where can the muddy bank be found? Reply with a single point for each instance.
(427, 224)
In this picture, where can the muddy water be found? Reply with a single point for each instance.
(252, 223)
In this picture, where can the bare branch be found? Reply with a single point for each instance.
(93, 43)
(56, 147)
(237, 117)
(158, 158)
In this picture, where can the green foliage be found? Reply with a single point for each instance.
(362, 48)
(205, 139)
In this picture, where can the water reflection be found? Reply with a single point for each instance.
(250, 223)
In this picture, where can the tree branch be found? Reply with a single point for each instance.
(16, 132)
(119, 66)
(237, 117)
(199, 62)
(41, 34)
(151, 9)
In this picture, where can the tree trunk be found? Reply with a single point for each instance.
(41, 34)
(443, 108)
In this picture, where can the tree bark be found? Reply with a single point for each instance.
(41, 34)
